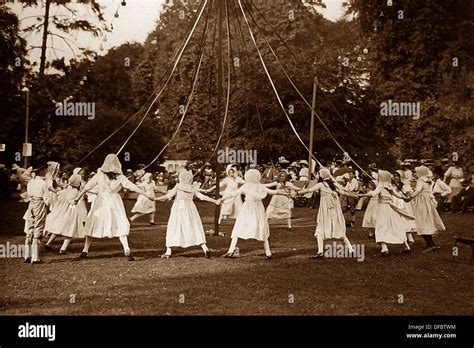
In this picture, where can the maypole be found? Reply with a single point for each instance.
(311, 129)
(220, 74)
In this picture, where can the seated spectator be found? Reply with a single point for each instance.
(464, 199)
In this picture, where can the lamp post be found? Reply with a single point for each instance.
(27, 118)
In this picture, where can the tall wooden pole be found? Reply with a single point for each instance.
(220, 74)
(27, 120)
(45, 38)
(311, 130)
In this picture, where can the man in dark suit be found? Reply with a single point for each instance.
(464, 199)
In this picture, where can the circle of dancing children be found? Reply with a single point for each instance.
(251, 223)
(230, 208)
(330, 222)
(107, 217)
(280, 206)
(184, 225)
(69, 217)
(390, 220)
(397, 208)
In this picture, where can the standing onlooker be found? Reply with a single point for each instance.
(304, 171)
(440, 189)
(269, 173)
(453, 177)
(407, 173)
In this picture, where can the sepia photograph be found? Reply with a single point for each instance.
(167, 160)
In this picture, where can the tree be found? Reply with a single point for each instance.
(312, 47)
(423, 53)
(59, 25)
(12, 70)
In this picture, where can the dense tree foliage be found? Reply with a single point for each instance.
(422, 54)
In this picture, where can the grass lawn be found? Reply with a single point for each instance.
(188, 284)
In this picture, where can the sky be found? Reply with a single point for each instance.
(136, 20)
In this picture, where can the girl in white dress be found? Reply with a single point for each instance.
(70, 217)
(280, 206)
(390, 222)
(371, 211)
(427, 219)
(91, 195)
(252, 220)
(184, 225)
(52, 179)
(145, 206)
(330, 222)
(107, 217)
(403, 189)
(231, 208)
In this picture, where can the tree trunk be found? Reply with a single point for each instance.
(45, 39)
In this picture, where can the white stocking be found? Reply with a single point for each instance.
(27, 249)
(65, 244)
(136, 216)
(266, 246)
(87, 244)
(53, 237)
(233, 244)
(124, 241)
(34, 250)
(348, 244)
(320, 243)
